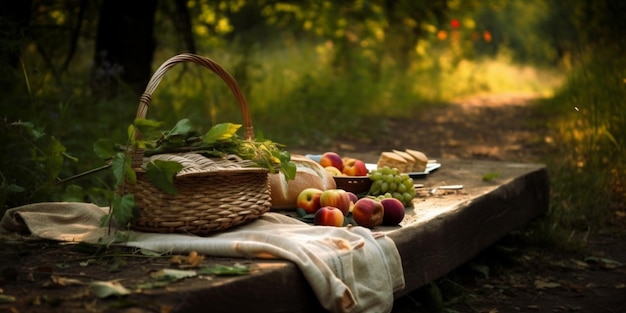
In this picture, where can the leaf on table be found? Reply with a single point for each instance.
(605, 263)
(223, 270)
(105, 289)
(490, 176)
(192, 260)
(540, 284)
(64, 281)
(6, 299)
(147, 252)
(173, 274)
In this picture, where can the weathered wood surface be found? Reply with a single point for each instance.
(441, 232)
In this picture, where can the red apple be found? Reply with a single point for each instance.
(331, 159)
(354, 167)
(338, 198)
(368, 212)
(394, 211)
(309, 200)
(328, 216)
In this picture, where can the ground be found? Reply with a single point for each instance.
(511, 276)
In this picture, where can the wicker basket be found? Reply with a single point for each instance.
(213, 194)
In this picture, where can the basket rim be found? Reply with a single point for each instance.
(146, 98)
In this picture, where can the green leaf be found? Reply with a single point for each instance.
(13, 188)
(104, 289)
(221, 132)
(490, 176)
(289, 168)
(73, 193)
(122, 168)
(104, 148)
(30, 128)
(146, 125)
(182, 128)
(161, 174)
(173, 274)
(223, 270)
(6, 299)
(122, 208)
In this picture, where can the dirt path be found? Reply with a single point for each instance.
(509, 277)
(496, 127)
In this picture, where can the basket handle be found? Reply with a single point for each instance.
(146, 98)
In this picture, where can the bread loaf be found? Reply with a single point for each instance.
(410, 161)
(420, 160)
(309, 174)
(392, 160)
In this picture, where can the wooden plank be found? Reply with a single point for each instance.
(442, 232)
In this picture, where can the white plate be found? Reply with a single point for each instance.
(430, 166)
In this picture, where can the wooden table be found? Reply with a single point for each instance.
(440, 232)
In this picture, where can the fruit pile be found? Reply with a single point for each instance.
(337, 207)
(384, 204)
(334, 164)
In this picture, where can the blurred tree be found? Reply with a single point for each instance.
(125, 46)
(14, 21)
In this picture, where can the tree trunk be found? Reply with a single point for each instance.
(124, 46)
(14, 21)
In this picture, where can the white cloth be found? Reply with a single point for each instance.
(351, 269)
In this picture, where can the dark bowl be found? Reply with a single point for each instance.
(355, 184)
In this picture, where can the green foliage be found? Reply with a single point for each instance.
(313, 70)
(588, 164)
(161, 174)
(31, 163)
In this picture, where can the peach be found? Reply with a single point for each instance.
(354, 167)
(337, 198)
(331, 159)
(328, 216)
(309, 200)
(368, 212)
(394, 211)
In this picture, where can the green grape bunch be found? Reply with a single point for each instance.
(389, 182)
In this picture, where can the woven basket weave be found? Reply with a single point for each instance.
(213, 194)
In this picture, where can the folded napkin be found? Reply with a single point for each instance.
(351, 269)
